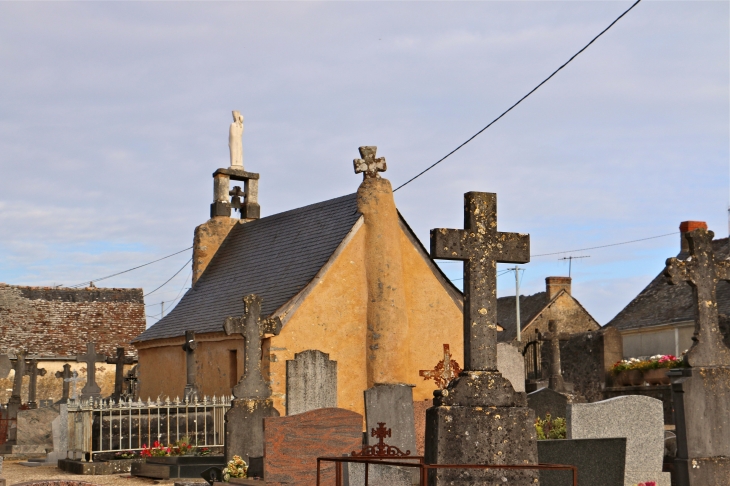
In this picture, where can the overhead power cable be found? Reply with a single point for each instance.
(130, 269)
(168, 280)
(518, 102)
(604, 246)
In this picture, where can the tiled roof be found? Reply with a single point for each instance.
(660, 303)
(274, 257)
(530, 306)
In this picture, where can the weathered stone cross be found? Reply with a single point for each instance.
(33, 371)
(119, 361)
(481, 247)
(65, 374)
(253, 329)
(369, 165)
(703, 272)
(20, 371)
(91, 389)
(189, 347)
(73, 379)
(556, 375)
(445, 370)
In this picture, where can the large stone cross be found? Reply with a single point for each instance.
(703, 271)
(91, 389)
(119, 361)
(65, 375)
(556, 381)
(481, 247)
(189, 347)
(253, 329)
(34, 372)
(369, 165)
(20, 371)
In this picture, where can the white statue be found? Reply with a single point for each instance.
(235, 142)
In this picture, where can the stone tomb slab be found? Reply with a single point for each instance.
(600, 462)
(639, 419)
(292, 444)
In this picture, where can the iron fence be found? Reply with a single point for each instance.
(533, 360)
(98, 426)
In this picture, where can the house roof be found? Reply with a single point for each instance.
(530, 307)
(274, 257)
(660, 303)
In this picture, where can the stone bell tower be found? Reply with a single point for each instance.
(210, 235)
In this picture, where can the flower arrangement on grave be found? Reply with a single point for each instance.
(236, 468)
(125, 455)
(648, 483)
(550, 428)
(157, 450)
(182, 447)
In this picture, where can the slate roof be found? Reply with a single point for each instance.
(274, 257)
(530, 306)
(660, 303)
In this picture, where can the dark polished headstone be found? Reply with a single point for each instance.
(479, 418)
(600, 462)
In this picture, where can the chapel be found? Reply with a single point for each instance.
(346, 277)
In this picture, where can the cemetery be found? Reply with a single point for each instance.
(396, 392)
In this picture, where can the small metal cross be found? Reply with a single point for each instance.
(446, 370)
(369, 165)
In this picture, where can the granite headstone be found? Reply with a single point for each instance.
(600, 462)
(311, 382)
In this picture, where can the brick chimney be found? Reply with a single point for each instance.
(684, 228)
(553, 285)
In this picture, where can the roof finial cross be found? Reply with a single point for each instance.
(369, 165)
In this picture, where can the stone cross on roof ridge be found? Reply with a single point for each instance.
(253, 329)
(481, 247)
(702, 270)
(369, 165)
(91, 389)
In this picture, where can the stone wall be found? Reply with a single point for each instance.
(586, 359)
(571, 318)
(58, 322)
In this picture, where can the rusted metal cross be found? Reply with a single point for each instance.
(703, 272)
(369, 165)
(253, 329)
(446, 370)
(119, 361)
(481, 247)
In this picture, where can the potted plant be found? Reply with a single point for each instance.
(627, 372)
(655, 371)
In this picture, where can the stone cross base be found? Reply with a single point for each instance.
(480, 419)
(701, 398)
(244, 427)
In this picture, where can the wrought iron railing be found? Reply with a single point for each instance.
(104, 426)
(533, 360)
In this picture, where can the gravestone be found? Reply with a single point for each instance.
(34, 372)
(293, 444)
(15, 400)
(5, 365)
(639, 419)
(59, 428)
(311, 382)
(91, 390)
(191, 388)
(119, 361)
(244, 422)
(546, 401)
(64, 375)
(480, 418)
(701, 393)
(511, 364)
(34, 430)
(600, 462)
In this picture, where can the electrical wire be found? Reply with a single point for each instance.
(518, 102)
(128, 270)
(604, 246)
(168, 280)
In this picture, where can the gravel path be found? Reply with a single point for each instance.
(15, 473)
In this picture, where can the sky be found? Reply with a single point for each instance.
(114, 116)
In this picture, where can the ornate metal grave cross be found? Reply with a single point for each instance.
(73, 379)
(446, 370)
(381, 449)
(556, 375)
(120, 360)
(369, 165)
(253, 329)
(91, 389)
(65, 374)
(189, 347)
(33, 371)
(703, 271)
(481, 247)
